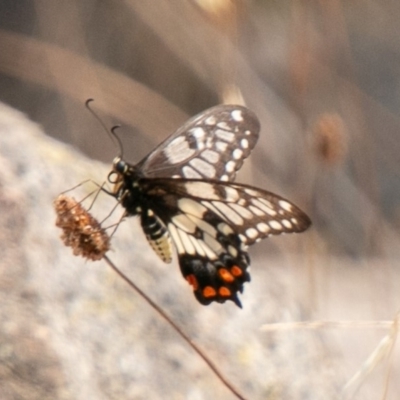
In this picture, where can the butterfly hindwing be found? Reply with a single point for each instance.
(212, 223)
(211, 145)
(211, 255)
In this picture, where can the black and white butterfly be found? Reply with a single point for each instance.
(183, 193)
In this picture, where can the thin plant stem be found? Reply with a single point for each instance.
(180, 332)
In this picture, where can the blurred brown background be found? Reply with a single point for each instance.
(306, 68)
(323, 78)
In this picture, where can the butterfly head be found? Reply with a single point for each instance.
(119, 166)
(116, 176)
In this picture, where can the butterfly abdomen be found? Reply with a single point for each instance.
(157, 235)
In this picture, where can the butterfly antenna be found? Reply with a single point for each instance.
(110, 132)
(117, 138)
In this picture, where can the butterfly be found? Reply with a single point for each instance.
(185, 196)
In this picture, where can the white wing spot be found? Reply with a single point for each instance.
(242, 202)
(229, 213)
(251, 233)
(210, 156)
(178, 150)
(243, 238)
(244, 143)
(263, 207)
(184, 223)
(275, 225)
(252, 192)
(266, 202)
(263, 227)
(295, 221)
(224, 178)
(186, 242)
(221, 146)
(256, 211)
(200, 145)
(244, 212)
(286, 224)
(237, 154)
(175, 237)
(212, 208)
(237, 115)
(198, 132)
(223, 125)
(285, 205)
(230, 166)
(232, 251)
(231, 194)
(224, 135)
(177, 141)
(210, 254)
(210, 120)
(213, 244)
(225, 229)
(190, 173)
(204, 167)
(199, 249)
(203, 225)
(201, 189)
(191, 207)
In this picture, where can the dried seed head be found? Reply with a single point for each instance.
(330, 142)
(81, 230)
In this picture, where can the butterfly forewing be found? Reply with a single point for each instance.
(211, 145)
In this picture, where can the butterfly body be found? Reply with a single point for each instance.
(184, 194)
